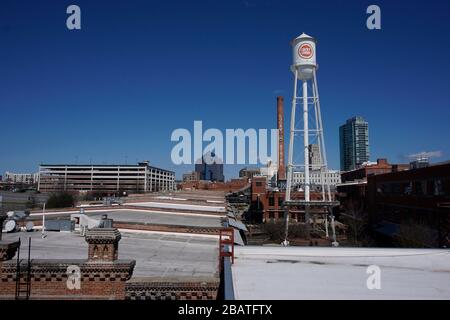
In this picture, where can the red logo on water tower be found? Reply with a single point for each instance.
(305, 51)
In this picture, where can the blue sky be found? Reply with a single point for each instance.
(114, 91)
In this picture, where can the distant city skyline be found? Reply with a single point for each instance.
(114, 91)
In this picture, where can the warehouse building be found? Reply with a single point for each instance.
(411, 207)
(105, 178)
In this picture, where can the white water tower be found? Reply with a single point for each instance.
(304, 56)
(304, 67)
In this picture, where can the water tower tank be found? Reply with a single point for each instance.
(304, 56)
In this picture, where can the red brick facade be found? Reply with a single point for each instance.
(382, 166)
(101, 276)
(179, 289)
(229, 186)
(269, 204)
(49, 279)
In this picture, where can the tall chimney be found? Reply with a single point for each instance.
(280, 127)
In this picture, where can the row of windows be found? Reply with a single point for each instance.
(280, 215)
(435, 187)
(272, 202)
(318, 181)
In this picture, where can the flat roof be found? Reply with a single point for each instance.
(181, 206)
(156, 217)
(141, 216)
(157, 254)
(339, 273)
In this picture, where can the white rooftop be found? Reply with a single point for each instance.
(157, 254)
(178, 206)
(339, 273)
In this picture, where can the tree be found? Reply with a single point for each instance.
(413, 235)
(60, 200)
(356, 220)
(276, 230)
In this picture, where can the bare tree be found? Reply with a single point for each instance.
(356, 220)
(414, 235)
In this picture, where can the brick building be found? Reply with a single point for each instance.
(381, 166)
(102, 275)
(418, 199)
(268, 203)
(191, 176)
(229, 186)
(352, 192)
(249, 172)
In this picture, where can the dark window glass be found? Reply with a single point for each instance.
(280, 202)
(271, 201)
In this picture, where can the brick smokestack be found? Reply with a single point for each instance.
(280, 127)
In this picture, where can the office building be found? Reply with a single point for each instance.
(210, 167)
(191, 176)
(314, 156)
(419, 163)
(21, 178)
(332, 178)
(113, 179)
(354, 143)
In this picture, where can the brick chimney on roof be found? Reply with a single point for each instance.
(103, 244)
(280, 127)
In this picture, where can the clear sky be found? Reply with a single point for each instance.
(114, 91)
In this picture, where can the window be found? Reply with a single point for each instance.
(271, 201)
(280, 202)
(419, 187)
(258, 183)
(438, 189)
(446, 187)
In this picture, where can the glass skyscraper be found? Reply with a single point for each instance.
(210, 167)
(354, 143)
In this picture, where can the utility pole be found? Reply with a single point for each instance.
(43, 222)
